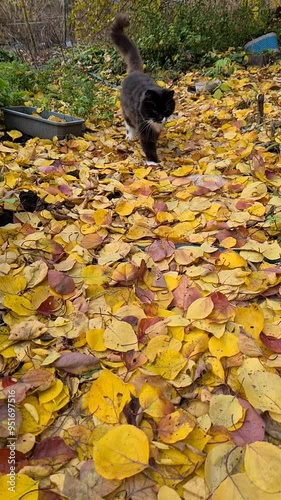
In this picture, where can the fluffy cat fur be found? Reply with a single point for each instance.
(145, 105)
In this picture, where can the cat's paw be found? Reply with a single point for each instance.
(151, 164)
(131, 134)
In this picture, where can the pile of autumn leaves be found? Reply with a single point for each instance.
(141, 306)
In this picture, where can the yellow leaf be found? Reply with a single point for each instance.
(262, 388)
(266, 458)
(122, 452)
(18, 304)
(51, 393)
(225, 410)
(168, 364)
(95, 339)
(18, 486)
(195, 344)
(228, 242)
(254, 191)
(231, 259)
(256, 209)
(29, 424)
(176, 426)
(32, 410)
(153, 402)
(141, 173)
(272, 251)
(214, 365)
(220, 462)
(200, 308)
(225, 346)
(58, 402)
(13, 285)
(230, 132)
(94, 275)
(108, 396)
(14, 134)
(120, 336)
(166, 493)
(124, 208)
(196, 489)
(102, 217)
(164, 217)
(161, 83)
(161, 343)
(251, 318)
(182, 171)
(239, 487)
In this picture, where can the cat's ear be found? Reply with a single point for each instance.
(169, 94)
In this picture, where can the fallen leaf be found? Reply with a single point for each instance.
(108, 396)
(121, 452)
(266, 457)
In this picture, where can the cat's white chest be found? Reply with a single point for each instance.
(157, 126)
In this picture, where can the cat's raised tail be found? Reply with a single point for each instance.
(127, 48)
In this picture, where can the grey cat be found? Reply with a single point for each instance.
(145, 105)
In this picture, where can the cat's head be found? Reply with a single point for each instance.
(157, 105)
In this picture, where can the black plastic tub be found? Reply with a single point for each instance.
(20, 118)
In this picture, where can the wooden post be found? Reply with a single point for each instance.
(261, 107)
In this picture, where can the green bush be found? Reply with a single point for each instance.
(181, 34)
(64, 84)
(14, 83)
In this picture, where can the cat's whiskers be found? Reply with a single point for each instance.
(145, 127)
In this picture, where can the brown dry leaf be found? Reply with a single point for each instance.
(27, 330)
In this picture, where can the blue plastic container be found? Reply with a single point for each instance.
(262, 43)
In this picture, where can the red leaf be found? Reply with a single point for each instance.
(8, 381)
(184, 295)
(144, 324)
(20, 389)
(65, 189)
(61, 283)
(48, 306)
(48, 495)
(52, 450)
(160, 206)
(145, 296)
(243, 204)
(160, 249)
(271, 343)
(222, 309)
(18, 456)
(133, 359)
(252, 429)
(57, 252)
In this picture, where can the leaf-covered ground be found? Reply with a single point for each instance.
(141, 339)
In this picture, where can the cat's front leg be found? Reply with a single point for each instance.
(148, 145)
(131, 132)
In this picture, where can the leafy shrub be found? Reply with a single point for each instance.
(6, 56)
(178, 33)
(179, 36)
(14, 83)
(63, 85)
